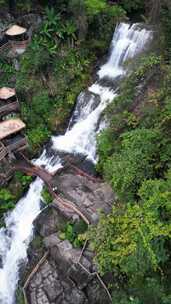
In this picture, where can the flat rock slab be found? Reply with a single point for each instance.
(89, 196)
(63, 279)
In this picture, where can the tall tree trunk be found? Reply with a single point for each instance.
(153, 8)
(12, 6)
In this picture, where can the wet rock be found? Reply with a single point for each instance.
(37, 279)
(96, 293)
(33, 298)
(51, 240)
(64, 255)
(53, 290)
(75, 297)
(48, 222)
(79, 275)
(63, 278)
(86, 102)
(90, 196)
(46, 270)
(89, 255)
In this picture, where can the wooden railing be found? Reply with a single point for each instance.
(5, 177)
(18, 44)
(18, 145)
(4, 47)
(14, 106)
(3, 151)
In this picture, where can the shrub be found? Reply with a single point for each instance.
(72, 232)
(134, 162)
(133, 237)
(133, 5)
(47, 197)
(24, 180)
(6, 200)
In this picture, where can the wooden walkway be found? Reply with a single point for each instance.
(24, 165)
(33, 170)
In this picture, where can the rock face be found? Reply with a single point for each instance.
(65, 278)
(88, 195)
(87, 100)
(67, 275)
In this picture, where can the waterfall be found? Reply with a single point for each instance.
(80, 137)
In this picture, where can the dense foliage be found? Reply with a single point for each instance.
(11, 194)
(74, 232)
(57, 64)
(133, 242)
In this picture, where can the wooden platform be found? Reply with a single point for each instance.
(24, 165)
(33, 170)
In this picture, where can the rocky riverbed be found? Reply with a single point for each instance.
(67, 274)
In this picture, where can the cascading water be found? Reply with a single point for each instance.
(80, 137)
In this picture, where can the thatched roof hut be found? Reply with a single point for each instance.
(16, 32)
(6, 93)
(9, 127)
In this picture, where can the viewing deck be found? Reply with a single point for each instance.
(12, 138)
(14, 39)
(11, 135)
(8, 101)
(10, 127)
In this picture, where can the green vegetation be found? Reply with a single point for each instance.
(16, 188)
(54, 69)
(133, 5)
(73, 232)
(57, 64)
(47, 197)
(6, 200)
(136, 235)
(24, 180)
(19, 296)
(134, 162)
(37, 242)
(133, 242)
(7, 71)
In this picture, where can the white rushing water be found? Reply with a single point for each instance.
(80, 137)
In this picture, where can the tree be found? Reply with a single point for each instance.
(134, 162)
(132, 5)
(153, 9)
(134, 238)
(12, 6)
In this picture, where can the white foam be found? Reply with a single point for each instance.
(81, 138)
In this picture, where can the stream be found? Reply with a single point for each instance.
(80, 138)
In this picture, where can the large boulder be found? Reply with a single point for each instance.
(65, 278)
(88, 195)
(68, 275)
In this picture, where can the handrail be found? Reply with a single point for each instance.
(3, 151)
(9, 106)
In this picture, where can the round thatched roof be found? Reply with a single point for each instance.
(11, 126)
(6, 93)
(15, 30)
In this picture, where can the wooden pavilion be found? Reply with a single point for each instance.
(16, 33)
(12, 136)
(12, 140)
(8, 102)
(17, 36)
